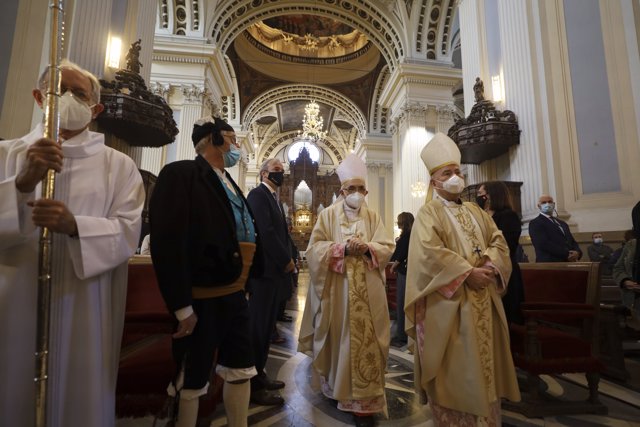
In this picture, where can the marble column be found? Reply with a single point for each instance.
(474, 64)
(192, 110)
(19, 112)
(379, 185)
(123, 146)
(524, 97)
(445, 118)
(87, 27)
(153, 159)
(410, 137)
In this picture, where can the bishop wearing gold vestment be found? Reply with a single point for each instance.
(345, 326)
(458, 268)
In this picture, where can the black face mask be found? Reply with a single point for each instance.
(276, 177)
(481, 201)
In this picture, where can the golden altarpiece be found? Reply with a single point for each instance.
(322, 190)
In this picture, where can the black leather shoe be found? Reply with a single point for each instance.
(265, 398)
(270, 384)
(285, 318)
(364, 421)
(398, 342)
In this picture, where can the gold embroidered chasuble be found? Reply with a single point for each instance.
(367, 361)
(463, 362)
(345, 325)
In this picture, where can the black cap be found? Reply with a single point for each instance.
(209, 128)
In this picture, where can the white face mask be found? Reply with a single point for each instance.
(454, 185)
(354, 200)
(74, 114)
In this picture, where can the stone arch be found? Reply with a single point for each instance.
(273, 146)
(305, 92)
(234, 16)
(379, 115)
(435, 28)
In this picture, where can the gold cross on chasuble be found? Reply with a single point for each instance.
(469, 229)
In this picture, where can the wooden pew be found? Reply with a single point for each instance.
(613, 331)
(561, 310)
(146, 364)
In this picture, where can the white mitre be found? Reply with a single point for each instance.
(439, 152)
(352, 169)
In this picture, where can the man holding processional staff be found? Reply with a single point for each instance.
(94, 219)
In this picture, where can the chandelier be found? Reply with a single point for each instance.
(312, 122)
(419, 189)
(304, 218)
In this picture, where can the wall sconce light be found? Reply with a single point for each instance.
(419, 189)
(496, 88)
(114, 50)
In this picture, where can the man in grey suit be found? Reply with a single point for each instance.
(266, 291)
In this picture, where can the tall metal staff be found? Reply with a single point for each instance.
(48, 186)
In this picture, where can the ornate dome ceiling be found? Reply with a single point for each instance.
(340, 53)
(302, 53)
(307, 36)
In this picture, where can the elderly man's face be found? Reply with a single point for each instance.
(274, 166)
(229, 138)
(446, 172)
(355, 187)
(78, 84)
(544, 199)
(71, 81)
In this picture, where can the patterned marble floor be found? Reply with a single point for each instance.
(306, 406)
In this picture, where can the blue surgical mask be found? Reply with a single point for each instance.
(547, 208)
(231, 157)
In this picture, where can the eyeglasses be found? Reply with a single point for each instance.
(78, 93)
(353, 188)
(231, 136)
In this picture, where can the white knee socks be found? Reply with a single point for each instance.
(188, 412)
(236, 403)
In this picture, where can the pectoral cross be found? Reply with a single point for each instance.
(477, 250)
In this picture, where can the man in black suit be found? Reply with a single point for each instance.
(266, 292)
(551, 237)
(204, 247)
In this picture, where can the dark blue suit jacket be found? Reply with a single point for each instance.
(272, 226)
(549, 242)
